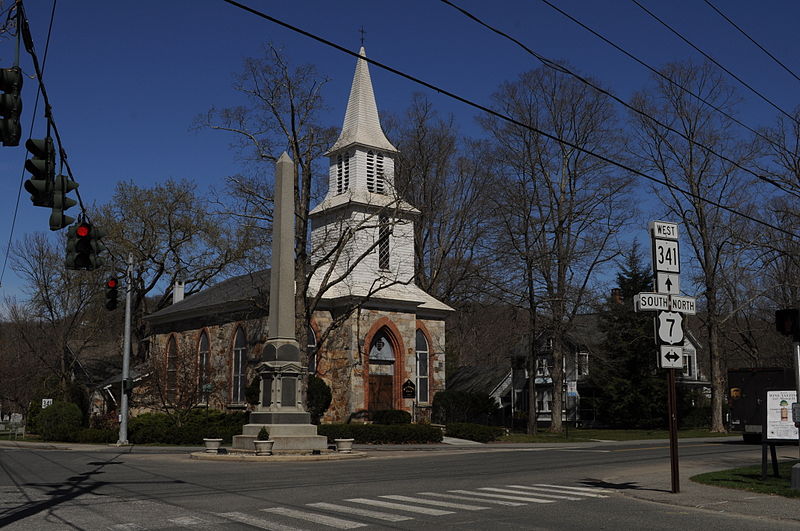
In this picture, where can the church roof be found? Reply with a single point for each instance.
(361, 122)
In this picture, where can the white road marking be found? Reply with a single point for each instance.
(437, 503)
(191, 521)
(400, 507)
(503, 496)
(560, 490)
(591, 490)
(388, 517)
(260, 523)
(472, 498)
(330, 521)
(523, 493)
(126, 527)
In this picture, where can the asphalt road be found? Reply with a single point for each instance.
(600, 486)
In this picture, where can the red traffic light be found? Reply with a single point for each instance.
(83, 230)
(111, 283)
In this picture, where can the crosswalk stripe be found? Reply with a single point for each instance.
(400, 507)
(558, 490)
(435, 502)
(472, 498)
(584, 489)
(126, 527)
(191, 521)
(330, 521)
(260, 523)
(542, 494)
(388, 517)
(577, 491)
(503, 496)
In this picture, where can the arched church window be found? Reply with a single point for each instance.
(381, 351)
(238, 365)
(172, 370)
(203, 364)
(311, 344)
(384, 230)
(423, 379)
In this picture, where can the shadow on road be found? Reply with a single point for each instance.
(628, 485)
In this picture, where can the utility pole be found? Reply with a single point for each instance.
(126, 357)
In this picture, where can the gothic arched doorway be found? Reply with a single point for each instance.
(381, 372)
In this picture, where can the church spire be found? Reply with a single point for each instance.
(361, 122)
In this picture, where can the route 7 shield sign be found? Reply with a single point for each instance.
(670, 327)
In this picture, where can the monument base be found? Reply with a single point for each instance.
(289, 438)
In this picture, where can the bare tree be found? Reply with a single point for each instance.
(558, 209)
(686, 162)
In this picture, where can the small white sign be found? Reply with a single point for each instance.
(664, 230)
(683, 305)
(665, 256)
(47, 402)
(572, 388)
(650, 302)
(670, 327)
(670, 357)
(779, 418)
(669, 283)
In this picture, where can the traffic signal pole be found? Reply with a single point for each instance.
(126, 357)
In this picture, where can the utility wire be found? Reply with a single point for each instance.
(743, 32)
(667, 78)
(30, 130)
(704, 54)
(565, 70)
(502, 116)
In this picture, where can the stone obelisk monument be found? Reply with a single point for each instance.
(281, 409)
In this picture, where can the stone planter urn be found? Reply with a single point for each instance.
(212, 445)
(344, 446)
(263, 447)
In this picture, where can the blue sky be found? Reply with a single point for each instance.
(126, 79)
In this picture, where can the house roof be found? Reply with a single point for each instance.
(477, 379)
(235, 293)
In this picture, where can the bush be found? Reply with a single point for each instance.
(160, 428)
(460, 406)
(390, 416)
(263, 434)
(59, 422)
(319, 398)
(473, 432)
(382, 434)
(252, 392)
(97, 435)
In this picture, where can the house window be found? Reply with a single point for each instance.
(342, 172)
(688, 363)
(203, 365)
(311, 348)
(583, 364)
(384, 230)
(172, 370)
(422, 368)
(239, 362)
(542, 367)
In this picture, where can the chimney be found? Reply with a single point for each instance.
(177, 291)
(616, 296)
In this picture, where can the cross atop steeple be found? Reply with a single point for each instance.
(362, 32)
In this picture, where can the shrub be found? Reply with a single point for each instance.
(252, 392)
(160, 428)
(263, 434)
(460, 406)
(97, 435)
(390, 416)
(319, 398)
(382, 434)
(59, 422)
(473, 432)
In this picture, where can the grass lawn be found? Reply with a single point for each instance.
(749, 478)
(581, 435)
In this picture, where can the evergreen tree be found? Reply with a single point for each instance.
(624, 387)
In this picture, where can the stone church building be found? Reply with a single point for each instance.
(209, 343)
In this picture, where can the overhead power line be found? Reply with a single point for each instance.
(504, 117)
(565, 70)
(707, 56)
(666, 78)
(751, 39)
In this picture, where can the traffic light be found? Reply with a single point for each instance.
(84, 247)
(111, 293)
(42, 166)
(10, 105)
(61, 187)
(787, 322)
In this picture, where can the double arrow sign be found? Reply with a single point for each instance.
(667, 300)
